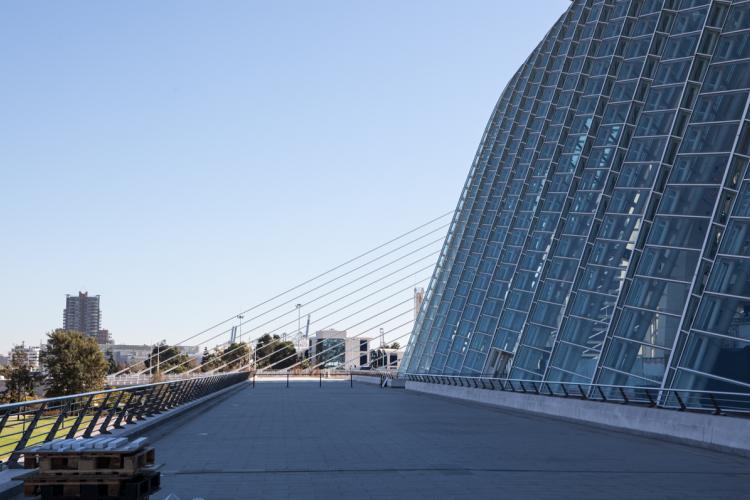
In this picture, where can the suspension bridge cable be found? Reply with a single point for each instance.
(408, 311)
(407, 266)
(356, 325)
(335, 268)
(336, 322)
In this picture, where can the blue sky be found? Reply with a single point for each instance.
(188, 159)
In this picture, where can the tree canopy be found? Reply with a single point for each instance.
(272, 352)
(19, 380)
(74, 363)
(234, 356)
(166, 357)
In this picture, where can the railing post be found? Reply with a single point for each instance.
(138, 406)
(110, 414)
(174, 391)
(92, 424)
(13, 460)
(717, 410)
(4, 419)
(624, 396)
(125, 409)
(351, 379)
(253, 380)
(320, 382)
(155, 401)
(287, 380)
(187, 391)
(148, 402)
(79, 418)
(58, 422)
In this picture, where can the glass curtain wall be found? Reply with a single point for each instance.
(603, 234)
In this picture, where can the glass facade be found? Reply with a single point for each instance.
(603, 233)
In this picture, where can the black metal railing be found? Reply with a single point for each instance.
(717, 402)
(84, 415)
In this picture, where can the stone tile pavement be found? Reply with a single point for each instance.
(370, 443)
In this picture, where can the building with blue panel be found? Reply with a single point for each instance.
(603, 233)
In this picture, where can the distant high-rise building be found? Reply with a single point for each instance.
(82, 314)
(103, 337)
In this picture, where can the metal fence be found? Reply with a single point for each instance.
(84, 415)
(717, 402)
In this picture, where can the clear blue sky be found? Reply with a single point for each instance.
(187, 159)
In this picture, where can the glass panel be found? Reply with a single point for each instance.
(734, 46)
(708, 138)
(658, 295)
(647, 326)
(594, 306)
(689, 200)
(742, 203)
(686, 232)
(637, 174)
(730, 275)
(737, 238)
(576, 359)
(719, 356)
(703, 169)
(668, 263)
(720, 107)
(638, 359)
(727, 77)
(725, 315)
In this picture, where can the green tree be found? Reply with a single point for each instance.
(395, 345)
(236, 355)
(272, 352)
(112, 366)
(19, 379)
(166, 357)
(74, 363)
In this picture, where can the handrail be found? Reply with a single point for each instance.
(97, 412)
(717, 402)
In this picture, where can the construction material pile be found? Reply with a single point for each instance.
(100, 468)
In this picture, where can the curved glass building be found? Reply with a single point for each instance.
(603, 233)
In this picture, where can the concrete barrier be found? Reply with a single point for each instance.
(729, 434)
(367, 379)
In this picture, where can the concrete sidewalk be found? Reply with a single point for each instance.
(368, 442)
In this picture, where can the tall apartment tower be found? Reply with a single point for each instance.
(82, 314)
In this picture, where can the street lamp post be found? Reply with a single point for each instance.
(299, 317)
(240, 317)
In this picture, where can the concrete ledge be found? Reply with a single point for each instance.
(366, 379)
(728, 434)
(11, 481)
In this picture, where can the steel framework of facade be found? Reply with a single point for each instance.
(603, 233)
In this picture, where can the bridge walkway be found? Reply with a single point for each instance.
(366, 442)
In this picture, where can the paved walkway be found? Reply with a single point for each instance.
(366, 442)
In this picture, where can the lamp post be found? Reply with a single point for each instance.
(158, 354)
(240, 317)
(299, 317)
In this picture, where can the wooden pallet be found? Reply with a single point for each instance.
(100, 468)
(88, 463)
(90, 456)
(139, 486)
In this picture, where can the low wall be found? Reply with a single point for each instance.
(722, 433)
(366, 379)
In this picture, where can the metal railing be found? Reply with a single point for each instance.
(83, 415)
(717, 402)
